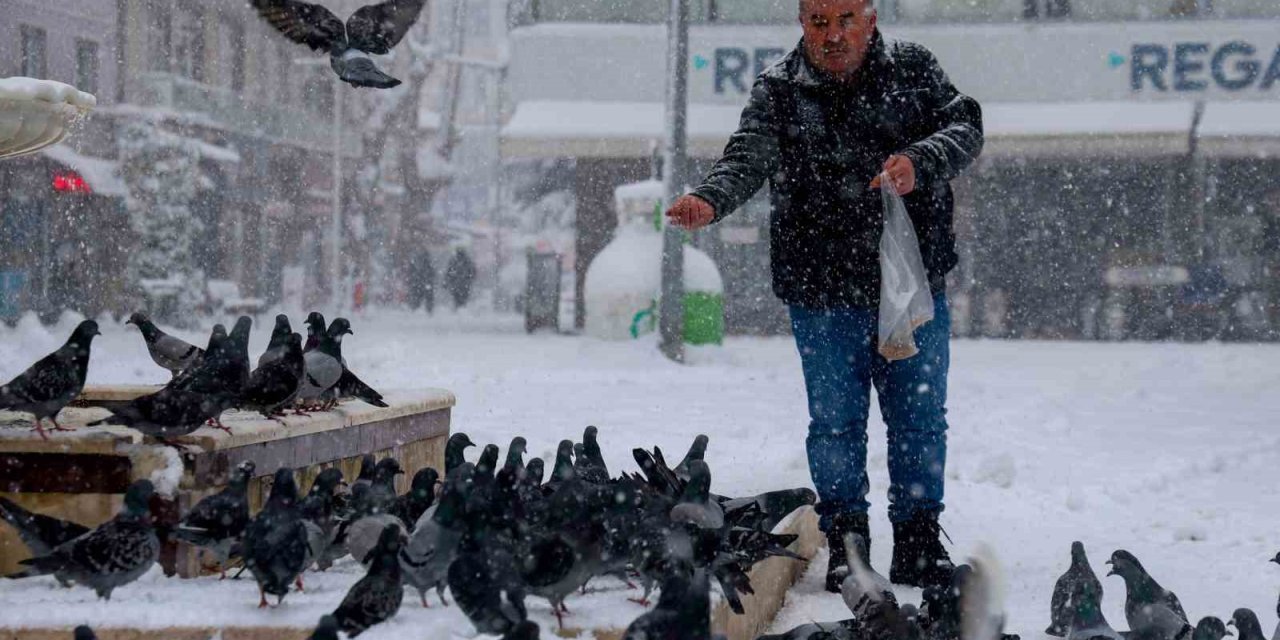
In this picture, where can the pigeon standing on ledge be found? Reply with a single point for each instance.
(173, 354)
(53, 382)
(374, 29)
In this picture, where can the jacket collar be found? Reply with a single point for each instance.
(795, 67)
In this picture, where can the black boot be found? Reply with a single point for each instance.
(838, 566)
(919, 559)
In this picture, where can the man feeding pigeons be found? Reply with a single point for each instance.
(823, 124)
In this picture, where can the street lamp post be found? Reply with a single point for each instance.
(671, 306)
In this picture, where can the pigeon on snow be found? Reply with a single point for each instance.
(374, 29)
(217, 521)
(1246, 623)
(420, 496)
(1148, 607)
(83, 632)
(436, 535)
(173, 354)
(275, 543)
(683, 611)
(320, 515)
(1087, 620)
(110, 556)
(863, 587)
(376, 597)
(54, 381)
(1060, 603)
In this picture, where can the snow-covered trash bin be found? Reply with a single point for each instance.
(624, 281)
(35, 113)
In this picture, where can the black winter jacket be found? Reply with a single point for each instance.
(820, 142)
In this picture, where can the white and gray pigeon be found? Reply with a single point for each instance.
(1060, 603)
(172, 354)
(376, 597)
(112, 555)
(434, 543)
(1246, 624)
(1147, 604)
(863, 586)
(52, 382)
(374, 29)
(323, 370)
(1087, 619)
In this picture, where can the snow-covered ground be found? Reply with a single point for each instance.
(1168, 450)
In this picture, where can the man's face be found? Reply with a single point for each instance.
(837, 33)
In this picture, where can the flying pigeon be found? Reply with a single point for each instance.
(376, 597)
(112, 555)
(39, 532)
(52, 382)
(275, 544)
(173, 354)
(280, 336)
(374, 29)
(326, 630)
(1246, 623)
(1146, 602)
(1210, 628)
(274, 384)
(1060, 603)
(217, 521)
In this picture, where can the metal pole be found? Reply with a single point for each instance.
(671, 306)
(495, 182)
(335, 224)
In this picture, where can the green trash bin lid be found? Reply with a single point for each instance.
(703, 318)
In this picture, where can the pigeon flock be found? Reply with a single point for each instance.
(205, 382)
(1151, 611)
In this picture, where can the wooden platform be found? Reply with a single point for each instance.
(81, 475)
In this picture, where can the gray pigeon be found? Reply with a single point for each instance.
(323, 370)
(280, 335)
(843, 630)
(376, 597)
(1147, 605)
(274, 384)
(453, 451)
(1087, 620)
(1246, 623)
(1210, 628)
(275, 548)
(326, 630)
(83, 632)
(216, 522)
(683, 611)
(363, 535)
(431, 549)
(319, 515)
(173, 354)
(863, 587)
(1060, 603)
(112, 555)
(697, 451)
(54, 381)
(374, 29)
(696, 506)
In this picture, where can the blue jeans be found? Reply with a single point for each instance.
(838, 353)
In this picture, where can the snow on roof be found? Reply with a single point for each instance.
(45, 91)
(99, 173)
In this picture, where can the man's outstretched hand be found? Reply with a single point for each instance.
(690, 212)
(902, 174)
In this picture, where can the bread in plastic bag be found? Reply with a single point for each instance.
(905, 300)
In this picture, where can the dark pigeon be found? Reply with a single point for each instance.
(41, 533)
(83, 632)
(54, 381)
(168, 413)
(1087, 620)
(216, 522)
(316, 327)
(773, 506)
(1246, 624)
(526, 630)
(350, 385)
(1210, 628)
(376, 597)
(515, 456)
(112, 555)
(453, 451)
(842, 630)
(364, 478)
(170, 353)
(326, 630)
(697, 451)
(274, 384)
(420, 496)
(683, 611)
(374, 29)
(224, 369)
(534, 471)
(319, 510)
(696, 506)
(487, 464)
(1146, 602)
(280, 336)
(275, 546)
(1060, 604)
(596, 470)
(562, 470)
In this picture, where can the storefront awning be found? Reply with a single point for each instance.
(541, 129)
(99, 173)
(1240, 130)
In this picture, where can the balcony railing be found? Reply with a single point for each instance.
(235, 111)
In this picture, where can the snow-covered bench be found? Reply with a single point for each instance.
(225, 298)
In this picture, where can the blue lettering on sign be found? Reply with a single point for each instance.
(1196, 66)
(733, 64)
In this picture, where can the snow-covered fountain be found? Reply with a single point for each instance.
(37, 113)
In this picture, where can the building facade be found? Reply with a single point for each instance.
(1118, 194)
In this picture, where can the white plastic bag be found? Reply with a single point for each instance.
(905, 300)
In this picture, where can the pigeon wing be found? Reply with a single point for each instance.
(39, 532)
(302, 22)
(51, 377)
(378, 28)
